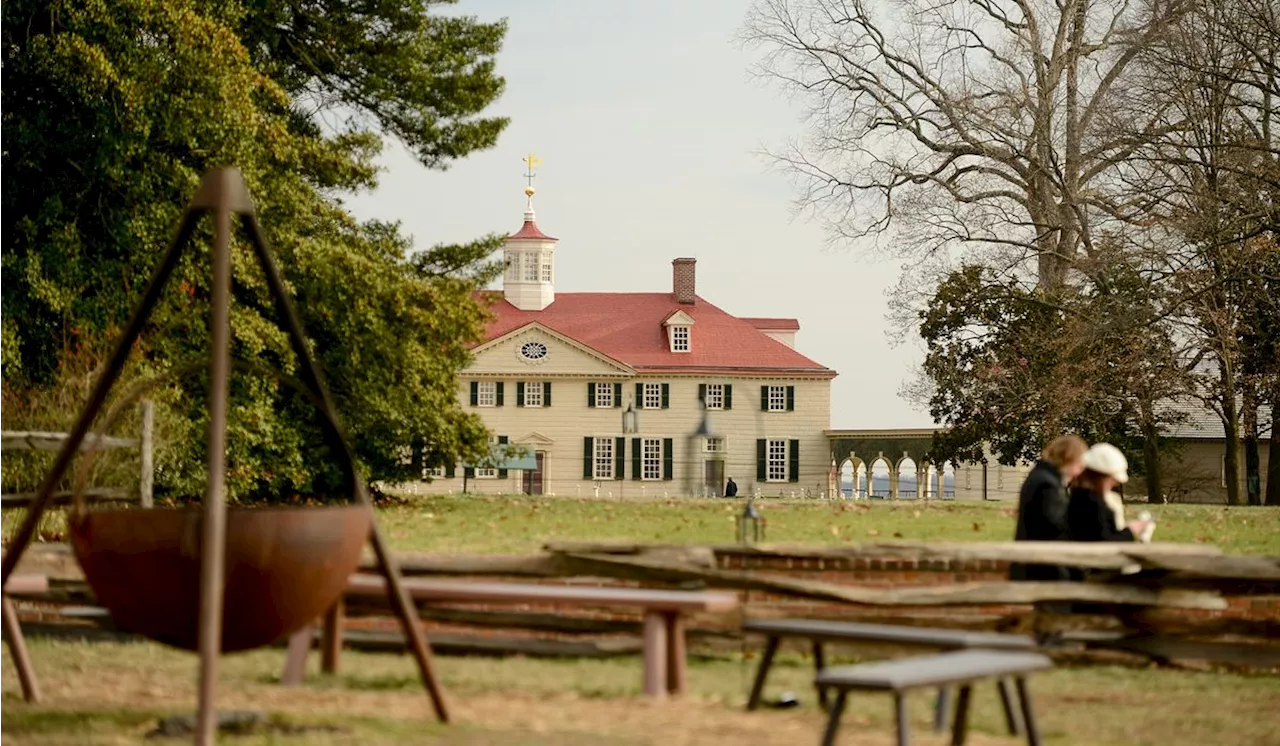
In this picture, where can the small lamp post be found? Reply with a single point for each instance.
(750, 524)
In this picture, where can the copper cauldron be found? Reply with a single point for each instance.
(284, 568)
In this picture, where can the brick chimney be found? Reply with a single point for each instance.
(682, 279)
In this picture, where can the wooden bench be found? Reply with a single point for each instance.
(963, 668)
(664, 612)
(822, 631)
(20, 584)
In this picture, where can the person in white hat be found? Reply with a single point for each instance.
(1094, 510)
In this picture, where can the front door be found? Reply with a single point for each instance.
(714, 477)
(533, 479)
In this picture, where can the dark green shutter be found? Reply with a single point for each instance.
(761, 467)
(475, 393)
(617, 395)
(639, 396)
(587, 473)
(502, 441)
(546, 393)
(793, 467)
(520, 393)
(668, 459)
(591, 394)
(728, 396)
(499, 399)
(702, 393)
(791, 398)
(620, 445)
(636, 471)
(666, 395)
(451, 471)
(469, 472)
(764, 398)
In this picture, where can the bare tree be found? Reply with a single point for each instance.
(994, 124)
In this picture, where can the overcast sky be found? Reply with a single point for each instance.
(650, 127)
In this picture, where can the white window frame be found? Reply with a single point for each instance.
(652, 396)
(681, 338)
(486, 473)
(777, 398)
(714, 444)
(513, 267)
(529, 266)
(533, 394)
(602, 458)
(651, 458)
(775, 460)
(486, 393)
(604, 395)
(546, 266)
(435, 472)
(714, 398)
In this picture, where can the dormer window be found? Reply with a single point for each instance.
(679, 339)
(679, 332)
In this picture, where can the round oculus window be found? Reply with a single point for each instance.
(533, 351)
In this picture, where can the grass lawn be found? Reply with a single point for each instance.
(519, 523)
(100, 694)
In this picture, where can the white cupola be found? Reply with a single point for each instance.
(528, 282)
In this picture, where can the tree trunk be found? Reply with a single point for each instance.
(1249, 418)
(1231, 429)
(1151, 454)
(1273, 454)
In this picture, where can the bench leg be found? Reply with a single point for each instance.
(295, 660)
(960, 731)
(676, 657)
(18, 649)
(1028, 716)
(766, 660)
(941, 709)
(833, 719)
(819, 663)
(1007, 699)
(655, 654)
(900, 706)
(331, 639)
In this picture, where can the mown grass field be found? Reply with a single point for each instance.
(105, 694)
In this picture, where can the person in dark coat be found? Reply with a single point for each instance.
(1091, 516)
(1042, 504)
(731, 488)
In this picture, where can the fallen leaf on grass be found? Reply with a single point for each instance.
(977, 526)
(897, 534)
(835, 530)
(872, 532)
(915, 514)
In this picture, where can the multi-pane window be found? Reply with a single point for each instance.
(604, 395)
(546, 266)
(435, 472)
(531, 266)
(651, 458)
(715, 445)
(776, 461)
(777, 398)
(603, 458)
(715, 396)
(533, 394)
(652, 396)
(513, 267)
(679, 339)
(487, 394)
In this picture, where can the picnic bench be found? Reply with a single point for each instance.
(963, 668)
(664, 619)
(820, 631)
(21, 584)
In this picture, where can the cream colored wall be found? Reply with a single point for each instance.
(569, 420)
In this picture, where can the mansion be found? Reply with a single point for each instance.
(617, 394)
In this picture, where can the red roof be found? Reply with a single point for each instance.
(773, 325)
(628, 328)
(530, 229)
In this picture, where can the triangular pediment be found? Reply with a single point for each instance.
(679, 318)
(535, 438)
(562, 355)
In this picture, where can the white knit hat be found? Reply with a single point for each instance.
(1105, 458)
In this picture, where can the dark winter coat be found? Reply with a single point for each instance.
(731, 489)
(1042, 516)
(1089, 518)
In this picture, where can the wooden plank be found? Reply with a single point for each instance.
(419, 563)
(95, 495)
(443, 590)
(959, 667)
(833, 631)
(998, 593)
(1173, 651)
(35, 440)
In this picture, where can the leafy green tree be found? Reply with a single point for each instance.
(112, 110)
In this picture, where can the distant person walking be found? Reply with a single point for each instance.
(731, 488)
(1095, 510)
(1042, 504)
